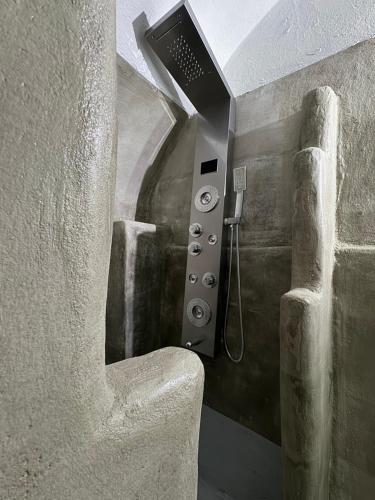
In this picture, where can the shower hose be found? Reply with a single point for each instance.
(231, 357)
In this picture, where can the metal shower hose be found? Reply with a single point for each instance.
(231, 357)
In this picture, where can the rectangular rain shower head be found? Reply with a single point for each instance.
(180, 45)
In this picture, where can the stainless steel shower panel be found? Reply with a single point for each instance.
(181, 46)
(213, 142)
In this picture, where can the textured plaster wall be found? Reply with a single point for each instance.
(254, 42)
(71, 428)
(145, 120)
(306, 311)
(267, 137)
(133, 300)
(295, 34)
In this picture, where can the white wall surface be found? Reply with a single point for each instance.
(295, 34)
(254, 41)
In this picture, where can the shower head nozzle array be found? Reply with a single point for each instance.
(180, 45)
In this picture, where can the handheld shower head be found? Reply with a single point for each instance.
(239, 179)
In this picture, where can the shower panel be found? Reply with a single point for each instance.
(179, 43)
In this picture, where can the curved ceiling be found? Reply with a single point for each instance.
(254, 41)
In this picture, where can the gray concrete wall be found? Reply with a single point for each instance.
(267, 138)
(70, 427)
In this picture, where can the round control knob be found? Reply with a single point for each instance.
(209, 280)
(206, 198)
(212, 239)
(193, 278)
(196, 230)
(198, 312)
(195, 249)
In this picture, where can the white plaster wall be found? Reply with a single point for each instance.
(254, 41)
(295, 34)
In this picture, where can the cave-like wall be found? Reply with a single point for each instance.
(267, 138)
(71, 427)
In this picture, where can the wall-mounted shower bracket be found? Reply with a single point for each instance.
(181, 46)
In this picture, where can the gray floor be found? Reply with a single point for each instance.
(236, 463)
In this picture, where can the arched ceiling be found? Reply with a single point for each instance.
(254, 41)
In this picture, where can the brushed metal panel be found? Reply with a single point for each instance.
(181, 46)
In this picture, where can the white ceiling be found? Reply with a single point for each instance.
(254, 41)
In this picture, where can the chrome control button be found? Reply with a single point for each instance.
(198, 312)
(189, 344)
(194, 249)
(193, 278)
(206, 199)
(209, 280)
(196, 230)
(212, 239)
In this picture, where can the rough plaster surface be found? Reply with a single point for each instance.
(353, 457)
(133, 300)
(145, 121)
(351, 75)
(305, 322)
(69, 426)
(148, 124)
(295, 34)
(269, 124)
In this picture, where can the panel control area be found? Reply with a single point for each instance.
(203, 306)
(203, 267)
(204, 258)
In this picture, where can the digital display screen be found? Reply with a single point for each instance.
(207, 167)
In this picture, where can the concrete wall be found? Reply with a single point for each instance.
(268, 128)
(70, 427)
